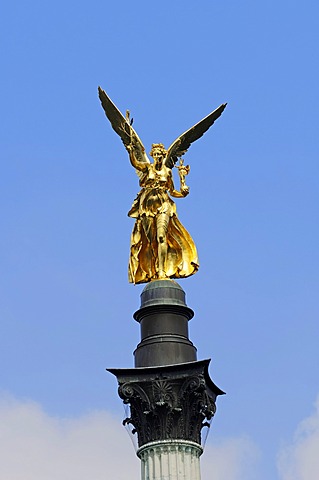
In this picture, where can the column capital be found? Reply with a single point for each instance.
(170, 402)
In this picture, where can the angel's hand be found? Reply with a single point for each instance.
(185, 190)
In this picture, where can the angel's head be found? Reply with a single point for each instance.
(158, 152)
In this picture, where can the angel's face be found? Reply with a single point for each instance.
(158, 156)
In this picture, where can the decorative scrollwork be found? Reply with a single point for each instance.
(129, 390)
(171, 407)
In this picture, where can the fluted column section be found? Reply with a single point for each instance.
(170, 460)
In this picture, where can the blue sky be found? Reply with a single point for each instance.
(67, 185)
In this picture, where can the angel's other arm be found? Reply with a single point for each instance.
(176, 193)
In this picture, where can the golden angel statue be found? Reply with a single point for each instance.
(161, 247)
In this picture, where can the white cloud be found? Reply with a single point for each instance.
(36, 446)
(233, 459)
(300, 460)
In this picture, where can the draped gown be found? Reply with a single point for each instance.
(152, 201)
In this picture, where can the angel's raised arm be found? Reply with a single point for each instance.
(123, 127)
(138, 157)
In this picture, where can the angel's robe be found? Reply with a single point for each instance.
(152, 201)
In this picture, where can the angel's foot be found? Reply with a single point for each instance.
(161, 275)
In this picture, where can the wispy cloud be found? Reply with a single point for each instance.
(233, 459)
(300, 459)
(37, 446)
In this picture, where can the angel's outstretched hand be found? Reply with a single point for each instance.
(185, 190)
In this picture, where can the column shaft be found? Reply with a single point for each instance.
(170, 460)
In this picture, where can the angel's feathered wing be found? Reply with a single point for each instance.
(122, 126)
(183, 142)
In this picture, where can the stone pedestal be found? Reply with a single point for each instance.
(163, 319)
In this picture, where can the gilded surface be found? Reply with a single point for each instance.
(160, 247)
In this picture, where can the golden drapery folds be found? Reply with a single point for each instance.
(155, 211)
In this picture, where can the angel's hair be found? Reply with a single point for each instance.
(158, 146)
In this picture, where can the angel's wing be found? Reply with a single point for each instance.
(183, 142)
(122, 126)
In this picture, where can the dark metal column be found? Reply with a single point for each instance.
(170, 394)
